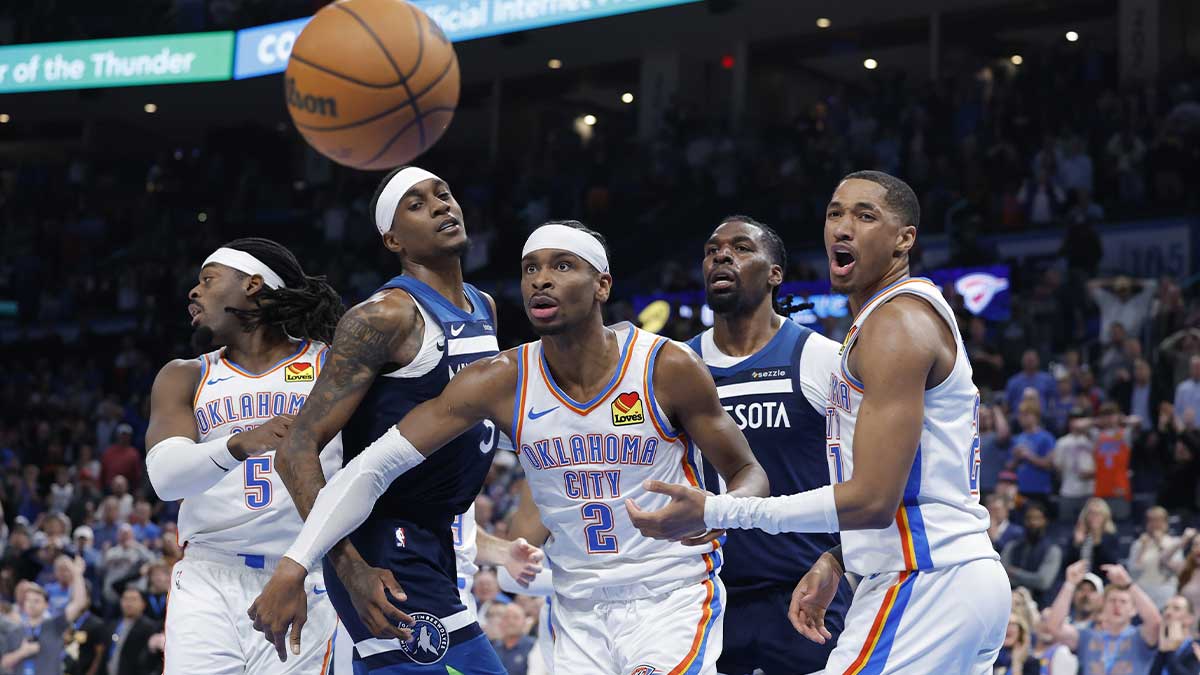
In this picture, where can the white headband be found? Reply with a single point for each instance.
(244, 262)
(571, 240)
(393, 192)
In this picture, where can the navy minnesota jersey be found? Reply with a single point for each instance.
(777, 398)
(446, 483)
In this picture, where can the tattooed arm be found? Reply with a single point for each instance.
(385, 329)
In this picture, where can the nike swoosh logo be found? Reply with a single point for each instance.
(455, 332)
(534, 416)
(220, 379)
(320, 591)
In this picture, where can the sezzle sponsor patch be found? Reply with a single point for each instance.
(627, 409)
(299, 372)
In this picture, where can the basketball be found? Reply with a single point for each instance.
(372, 83)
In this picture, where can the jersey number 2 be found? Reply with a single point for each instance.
(258, 482)
(599, 519)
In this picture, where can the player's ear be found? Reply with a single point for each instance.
(253, 284)
(906, 238)
(603, 287)
(392, 243)
(775, 276)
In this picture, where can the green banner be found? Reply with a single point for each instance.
(161, 59)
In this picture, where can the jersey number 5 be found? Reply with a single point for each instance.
(258, 482)
(599, 519)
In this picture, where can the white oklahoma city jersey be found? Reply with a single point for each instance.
(249, 511)
(940, 521)
(582, 460)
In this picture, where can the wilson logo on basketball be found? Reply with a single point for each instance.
(326, 106)
(299, 372)
(627, 409)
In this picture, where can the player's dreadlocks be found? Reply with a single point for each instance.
(307, 308)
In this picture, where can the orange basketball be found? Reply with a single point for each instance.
(372, 83)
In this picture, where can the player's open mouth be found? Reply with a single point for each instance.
(721, 280)
(448, 224)
(195, 310)
(841, 259)
(543, 307)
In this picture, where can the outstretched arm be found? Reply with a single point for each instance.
(343, 504)
(895, 359)
(1056, 618)
(685, 388)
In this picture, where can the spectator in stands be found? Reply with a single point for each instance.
(123, 562)
(1042, 196)
(1081, 246)
(1074, 461)
(1016, 651)
(1032, 451)
(158, 587)
(105, 531)
(1179, 489)
(119, 489)
(1095, 538)
(144, 530)
(62, 491)
(1030, 377)
(1034, 560)
(121, 459)
(1075, 172)
(1189, 574)
(130, 652)
(1178, 650)
(1138, 395)
(1187, 396)
(1113, 645)
(1127, 153)
(1001, 530)
(41, 652)
(1152, 555)
(1048, 651)
(1087, 601)
(987, 363)
(487, 591)
(87, 642)
(514, 646)
(58, 591)
(1112, 459)
(994, 439)
(1122, 301)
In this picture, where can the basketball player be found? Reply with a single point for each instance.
(771, 375)
(474, 547)
(904, 449)
(397, 349)
(215, 423)
(593, 411)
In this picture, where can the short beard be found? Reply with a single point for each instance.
(202, 340)
(725, 303)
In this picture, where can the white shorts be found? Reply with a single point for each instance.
(208, 630)
(949, 620)
(676, 632)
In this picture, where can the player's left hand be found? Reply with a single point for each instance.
(282, 604)
(524, 561)
(681, 520)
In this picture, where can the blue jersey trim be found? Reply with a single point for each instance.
(516, 419)
(608, 388)
(658, 416)
(883, 648)
(912, 508)
(246, 371)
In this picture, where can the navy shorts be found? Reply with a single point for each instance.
(758, 633)
(421, 556)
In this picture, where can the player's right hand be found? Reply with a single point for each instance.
(368, 588)
(812, 597)
(283, 604)
(264, 438)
